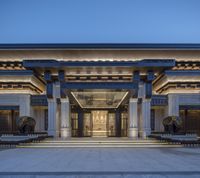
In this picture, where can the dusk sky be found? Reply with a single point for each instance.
(99, 21)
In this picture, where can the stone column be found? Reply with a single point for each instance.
(133, 118)
(25, 106)
(145, 122)
(52, 117)
(173, 105)
(65, 118)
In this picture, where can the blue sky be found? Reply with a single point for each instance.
(99, 21)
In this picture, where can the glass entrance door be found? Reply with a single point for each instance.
(99, 122)
(102, 123)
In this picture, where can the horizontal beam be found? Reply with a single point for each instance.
(99, 85)
(39, 100)
(60, 64)
(16, 72)
(9, 107)
(159, 100)
(190, 107)
(183, 72)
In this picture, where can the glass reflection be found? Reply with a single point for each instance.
(99, 99)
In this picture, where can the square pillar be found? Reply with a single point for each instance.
(65, 118)
(133, 118)
(173, 105)
(145, 119)
(24, 106)
(52, 118)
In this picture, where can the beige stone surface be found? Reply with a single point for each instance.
(179, 55)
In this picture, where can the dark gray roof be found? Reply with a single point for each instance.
(149, 46)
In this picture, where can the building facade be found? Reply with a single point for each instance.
(100, 90)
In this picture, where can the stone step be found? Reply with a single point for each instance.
(109, 142)
(100, 143)
(92, 143)
(102, 146)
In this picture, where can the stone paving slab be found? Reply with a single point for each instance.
(102, 175)
(110, 162)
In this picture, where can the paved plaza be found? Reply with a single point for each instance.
(100, 162)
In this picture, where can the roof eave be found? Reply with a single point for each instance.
(100, 46)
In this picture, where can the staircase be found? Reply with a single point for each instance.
(99, 143)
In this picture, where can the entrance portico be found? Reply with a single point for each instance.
(99, 98)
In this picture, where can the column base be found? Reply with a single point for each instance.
(52, 133)
(144, 133)
(65, 132)
(133, 132)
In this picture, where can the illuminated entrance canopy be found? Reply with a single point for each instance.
(99, 98)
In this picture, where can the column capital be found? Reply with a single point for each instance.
(135, 100)
(146, 99)
(64, 100)
(51, 100)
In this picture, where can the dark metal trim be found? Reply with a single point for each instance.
(189, 107)
(159, 100)
(183, 72)
(38, 63)
(49, 89)
(99, 85)
(39, 100)
(9, 107)
(148, 88)
(150, 46)
(136, 80)
(16, 72)
(118, 123)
